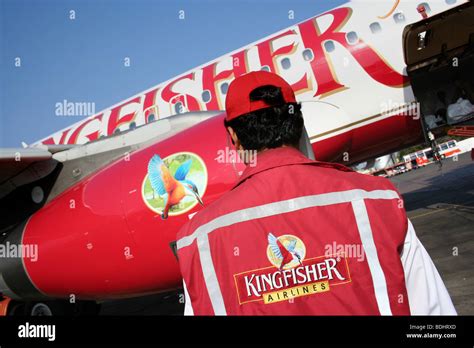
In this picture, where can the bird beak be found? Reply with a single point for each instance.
(198, 198)
(299, 260)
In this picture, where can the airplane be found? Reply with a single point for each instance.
(83, 216)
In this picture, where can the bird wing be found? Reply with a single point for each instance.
(183, 170)
(291, 246)
(272, 241)
(160, 178)
(287, 257)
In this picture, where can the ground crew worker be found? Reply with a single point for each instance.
(297, 236)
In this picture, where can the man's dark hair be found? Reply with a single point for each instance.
(279, 124)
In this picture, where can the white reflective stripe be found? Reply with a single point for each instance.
(284, 207)
(210, 277)
(367, 238)
(188, 306)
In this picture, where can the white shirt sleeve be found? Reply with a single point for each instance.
(188, 308)
(427, 293)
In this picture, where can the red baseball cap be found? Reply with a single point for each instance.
(238, 101)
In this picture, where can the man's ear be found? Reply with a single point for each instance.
(234, 137)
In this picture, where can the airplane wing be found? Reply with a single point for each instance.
(20, 166)
(26, 177)
(32, 176)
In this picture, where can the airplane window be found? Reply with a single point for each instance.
(178, 107)
(151, 117)
(285, 63)
(426, 6)
(206, 96)
(329, 46)
(450, 2)
(308, 54)
(375, 28)
(117, 131)
(352, 37)
(399, 17)
(265, 68)
(224, 88)
(132, 125)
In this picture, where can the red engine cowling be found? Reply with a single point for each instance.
(100, 239)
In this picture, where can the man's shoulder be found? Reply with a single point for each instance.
(250, 192)
(229, 202)
(334, 178)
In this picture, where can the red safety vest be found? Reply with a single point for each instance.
(297, 237)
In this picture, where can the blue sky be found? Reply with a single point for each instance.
(82, 60)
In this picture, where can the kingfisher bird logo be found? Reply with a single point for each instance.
(295, 274)
(285, 252)
(174, 185)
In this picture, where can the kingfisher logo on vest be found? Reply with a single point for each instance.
(292, 274)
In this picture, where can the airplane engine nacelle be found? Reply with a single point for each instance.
(106, 237)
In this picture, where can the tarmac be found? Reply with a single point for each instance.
(440, 204)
